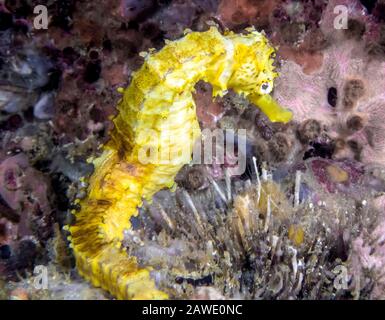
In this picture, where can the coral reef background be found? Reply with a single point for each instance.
(306, 219)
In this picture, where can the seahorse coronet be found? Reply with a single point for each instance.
(157, 105)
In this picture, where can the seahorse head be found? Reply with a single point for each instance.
(253, 69)
(251, 72)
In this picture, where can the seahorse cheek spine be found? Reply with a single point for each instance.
(157, 113)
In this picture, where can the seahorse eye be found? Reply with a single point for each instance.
(265, 88)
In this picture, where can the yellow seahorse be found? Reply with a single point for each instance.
(159, 99)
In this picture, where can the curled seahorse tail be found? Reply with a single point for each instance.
(98, 232)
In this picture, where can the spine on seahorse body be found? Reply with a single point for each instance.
(157, 113)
